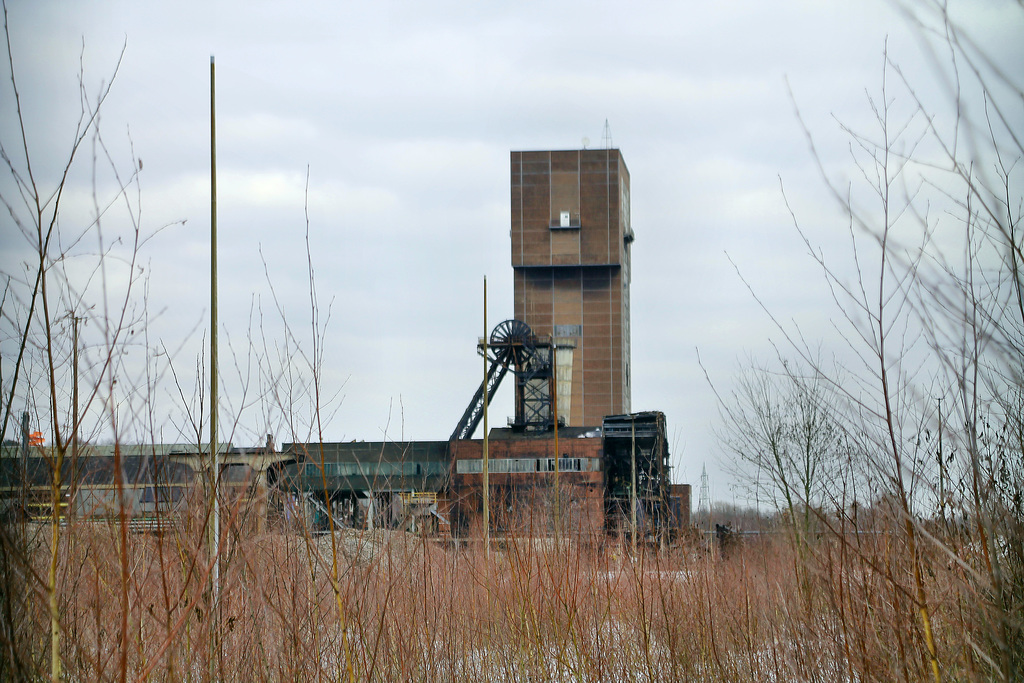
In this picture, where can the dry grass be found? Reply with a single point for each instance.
(901, 602)
(529, 611)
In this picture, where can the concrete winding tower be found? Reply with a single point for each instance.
(571, 239)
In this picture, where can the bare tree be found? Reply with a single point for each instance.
(40, 318)
(924, 322)
(785, 440)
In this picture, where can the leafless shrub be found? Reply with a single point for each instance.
(928, 408)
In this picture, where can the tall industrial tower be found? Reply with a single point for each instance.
(571, 239)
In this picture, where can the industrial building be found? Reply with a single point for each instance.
(572, 457)
(571, 240)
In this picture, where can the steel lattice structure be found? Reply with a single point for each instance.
(513, 346)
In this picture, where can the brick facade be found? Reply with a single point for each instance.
(571, 239)
(522, 501)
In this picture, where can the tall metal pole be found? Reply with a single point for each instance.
(942, 471)
(554, 408)
(214, 455)
(24, 462)
(632, 490)
(487, 479)
(74, 411)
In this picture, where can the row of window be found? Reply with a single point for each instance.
(162, 494)
(379, 469)
(528, 465)
(438, 468)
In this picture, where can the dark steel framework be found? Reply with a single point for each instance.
(646, 432)
(513, 346)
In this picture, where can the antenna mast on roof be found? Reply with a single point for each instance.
(606, 138)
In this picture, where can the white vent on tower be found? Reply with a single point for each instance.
(565, 219)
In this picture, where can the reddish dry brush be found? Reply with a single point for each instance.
(415, 610)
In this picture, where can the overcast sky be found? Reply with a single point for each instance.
(404, 114)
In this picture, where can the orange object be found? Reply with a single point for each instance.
(36, 439)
